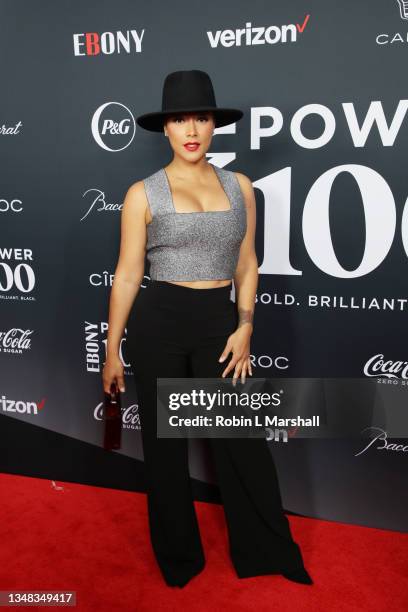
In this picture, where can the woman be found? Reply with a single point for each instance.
(197, 224)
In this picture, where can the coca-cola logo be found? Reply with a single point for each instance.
(130, 416)
(15, 340)
(380, 367)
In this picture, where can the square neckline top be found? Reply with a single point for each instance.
(194, 245)
(198, 212)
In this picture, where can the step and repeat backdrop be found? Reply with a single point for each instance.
(324, 141)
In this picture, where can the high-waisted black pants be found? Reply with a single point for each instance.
(178, 331)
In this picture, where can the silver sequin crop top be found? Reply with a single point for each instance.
(193, 245)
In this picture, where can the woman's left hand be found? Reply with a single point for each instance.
(239, 343)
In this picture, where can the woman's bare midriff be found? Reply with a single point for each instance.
(203, 284)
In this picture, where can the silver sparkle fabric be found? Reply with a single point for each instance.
(196, 245)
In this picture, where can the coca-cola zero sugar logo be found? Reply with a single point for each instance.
(130, 416)
(15, 340)
(380, 367)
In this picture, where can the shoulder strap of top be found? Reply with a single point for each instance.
(157, 193)
(232, 187)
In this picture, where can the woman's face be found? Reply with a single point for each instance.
(183, 128)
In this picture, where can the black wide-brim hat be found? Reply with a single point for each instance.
(188, 91)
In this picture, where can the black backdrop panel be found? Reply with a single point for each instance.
(324, 141)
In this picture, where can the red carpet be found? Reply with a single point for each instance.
(95, 541)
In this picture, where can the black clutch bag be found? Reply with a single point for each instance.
(112, 415)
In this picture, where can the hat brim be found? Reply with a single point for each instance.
(223, 116)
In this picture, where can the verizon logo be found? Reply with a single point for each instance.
(262, 35)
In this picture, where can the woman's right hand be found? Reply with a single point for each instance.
(113, 372)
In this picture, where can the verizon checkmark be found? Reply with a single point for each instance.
(302, 27)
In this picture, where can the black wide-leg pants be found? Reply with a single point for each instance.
(177, 331)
